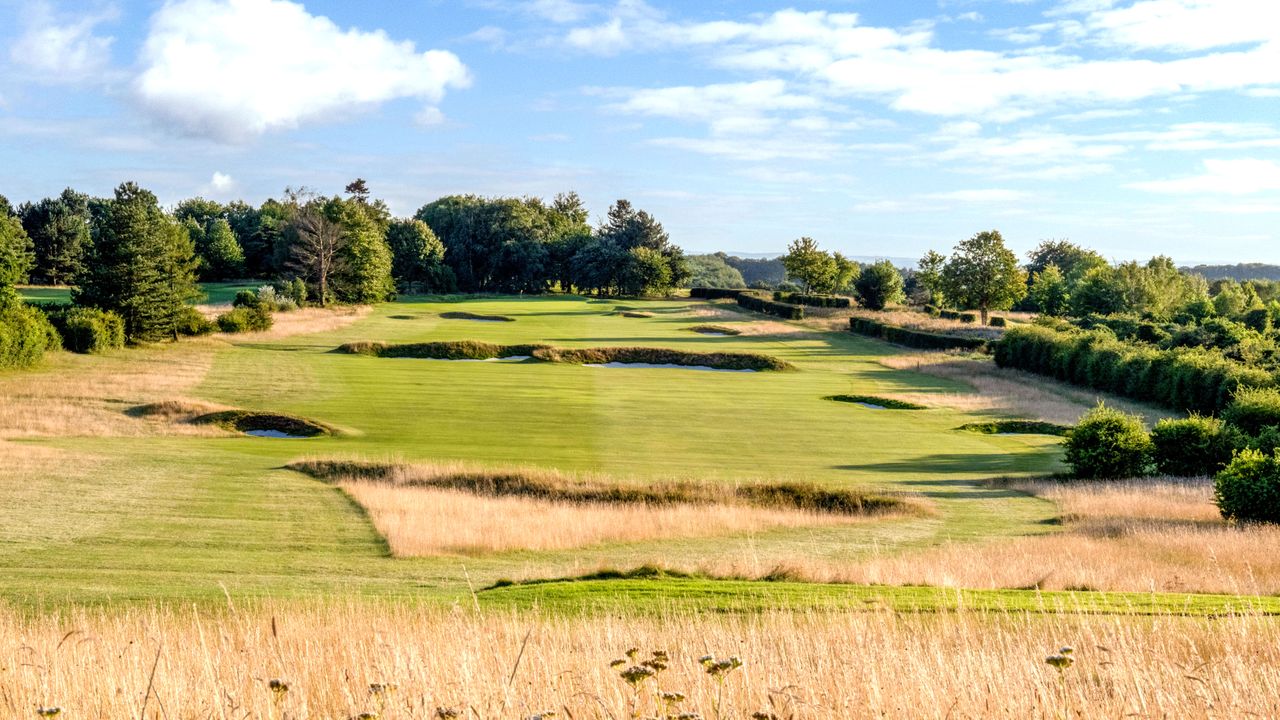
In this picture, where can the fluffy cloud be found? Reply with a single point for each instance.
(62, 49)
(1187, 24)
(234, 69)
(1225, 177)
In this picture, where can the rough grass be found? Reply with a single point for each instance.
(457, 315)
(249, 421)
(1016, 427)
(476, 350)
(883, 402)
(339, 660)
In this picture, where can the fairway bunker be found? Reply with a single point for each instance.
(634, 314)
(475, 317)
(715, 330)
(872, 402)
(602, 356)
(1016, 427)
(265, 425)
(665, 366)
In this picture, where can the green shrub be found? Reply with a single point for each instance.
(1108, 444)
(245, 319)
(1249, 487)
(715, 293)
(1253, 409)
(1192, 447)
(949, 314)
(246, 299)
(759, 303)
(832, 301)
(968, 318)
(998, 321)
(932, 311)
(914, 338)
(87, 330)
(192, 322)
(25, 335)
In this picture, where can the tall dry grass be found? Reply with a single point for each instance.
(421, 521)
(404, 662)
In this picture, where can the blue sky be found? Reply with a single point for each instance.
(878, 128)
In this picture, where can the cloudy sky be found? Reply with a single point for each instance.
(877, 127)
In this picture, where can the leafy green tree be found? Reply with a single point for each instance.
(812, 267)
(1231, 300)
(879, 285)
(1098, 292)
(16, 257)
(983, 274)
(142, 266)
(1050, 292)
(59, 232)
(847, 272)
(417, 258)
(645, 272)
(364, 271)
(1072, 260)
(223, 255)
(929, 276)
(713, 272)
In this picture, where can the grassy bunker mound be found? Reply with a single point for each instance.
(1016, 427)
(714, 330)
(558, 487)
(442, 350)
(876, 402)
(663, 356)
(246, 421)
(454, 315)
(634, 314)
(173, 410)
(475, 350)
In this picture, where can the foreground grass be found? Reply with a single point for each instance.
(342, 659)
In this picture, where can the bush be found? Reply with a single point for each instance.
(245, 319)
(914, 338)
(714, 293)
(1192, 447)
(25, 335)
(998, 321)
(246, 299)
(932, 311)
(759, 303)
(968, 317)
(1108, 444)
(192, 322)
(949, 314)
(87, 330)
(1253, 409)
(1249, 487)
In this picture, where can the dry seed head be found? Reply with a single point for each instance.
(445, 713)
(1061, 662)
(48, 712)
(278, 686)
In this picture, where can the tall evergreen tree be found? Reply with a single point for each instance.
(142, 265)
(59, 231)
(222, 258)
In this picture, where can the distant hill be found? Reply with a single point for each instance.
(1241, 271)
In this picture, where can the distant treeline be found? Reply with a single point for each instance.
(1238, 272)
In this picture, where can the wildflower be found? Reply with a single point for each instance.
(689, 716)
(382, 688)
(48, 712)
(706, 659)
(720, 668)
(542, 715)
(632, 653)
(636, 674)
(365, 716)
(672, 697)
(1060, 662)
(617, 663)
(445, 713)
(763, 715)
(1066, 650)
(278, 686)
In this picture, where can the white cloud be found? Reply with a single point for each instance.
(62, 49)
(1222, 177)
(716, 103)
(429, 117)
(234, 69)
(560, 11)
(221, 182)
(981, 195)
(1187, 24)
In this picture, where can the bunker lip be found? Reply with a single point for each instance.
(665, 366)
(1016, 427)
(649, 356)
(715, 330)
(266, 425)
(873, 402)
(475, 317)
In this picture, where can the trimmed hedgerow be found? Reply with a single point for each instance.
(441, 350)
(715, 293)
(826, 301)
(968, 318)
(1190, 379)
(998, 321)
(25, 335)
(1249, 487)
(886, 403)
(1016, 427)
(1254, 409)
(661, 356)
(914, 338)
(1193, 447)
(759, 303)
(949, 314)
(87, 330)
(1108, 444)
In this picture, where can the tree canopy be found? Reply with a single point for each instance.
(982, 274)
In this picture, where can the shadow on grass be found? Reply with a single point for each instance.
(944, 463)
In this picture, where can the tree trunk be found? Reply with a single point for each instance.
(983, 310)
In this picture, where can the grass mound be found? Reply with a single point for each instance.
(634, 314)
(714, 330)
(172, 410)
(663, 356)
(247, 421)
(880, 402)
(558, 487)
(442, 350)
(454, 315)
(1016, 427)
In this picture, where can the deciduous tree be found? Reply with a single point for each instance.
(983, 274)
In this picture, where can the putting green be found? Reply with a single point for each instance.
(192, 517)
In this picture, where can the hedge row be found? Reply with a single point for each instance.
(914, 338)
(715, 293)
(752, 301)
(1187, 379)
(827, 301)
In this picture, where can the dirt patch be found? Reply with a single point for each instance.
(477, 317)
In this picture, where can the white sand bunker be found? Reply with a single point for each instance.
(664, 366)
(870, 406)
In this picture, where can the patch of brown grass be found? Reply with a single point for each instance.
(342, 660)
(306, 321)
(1007, 392)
